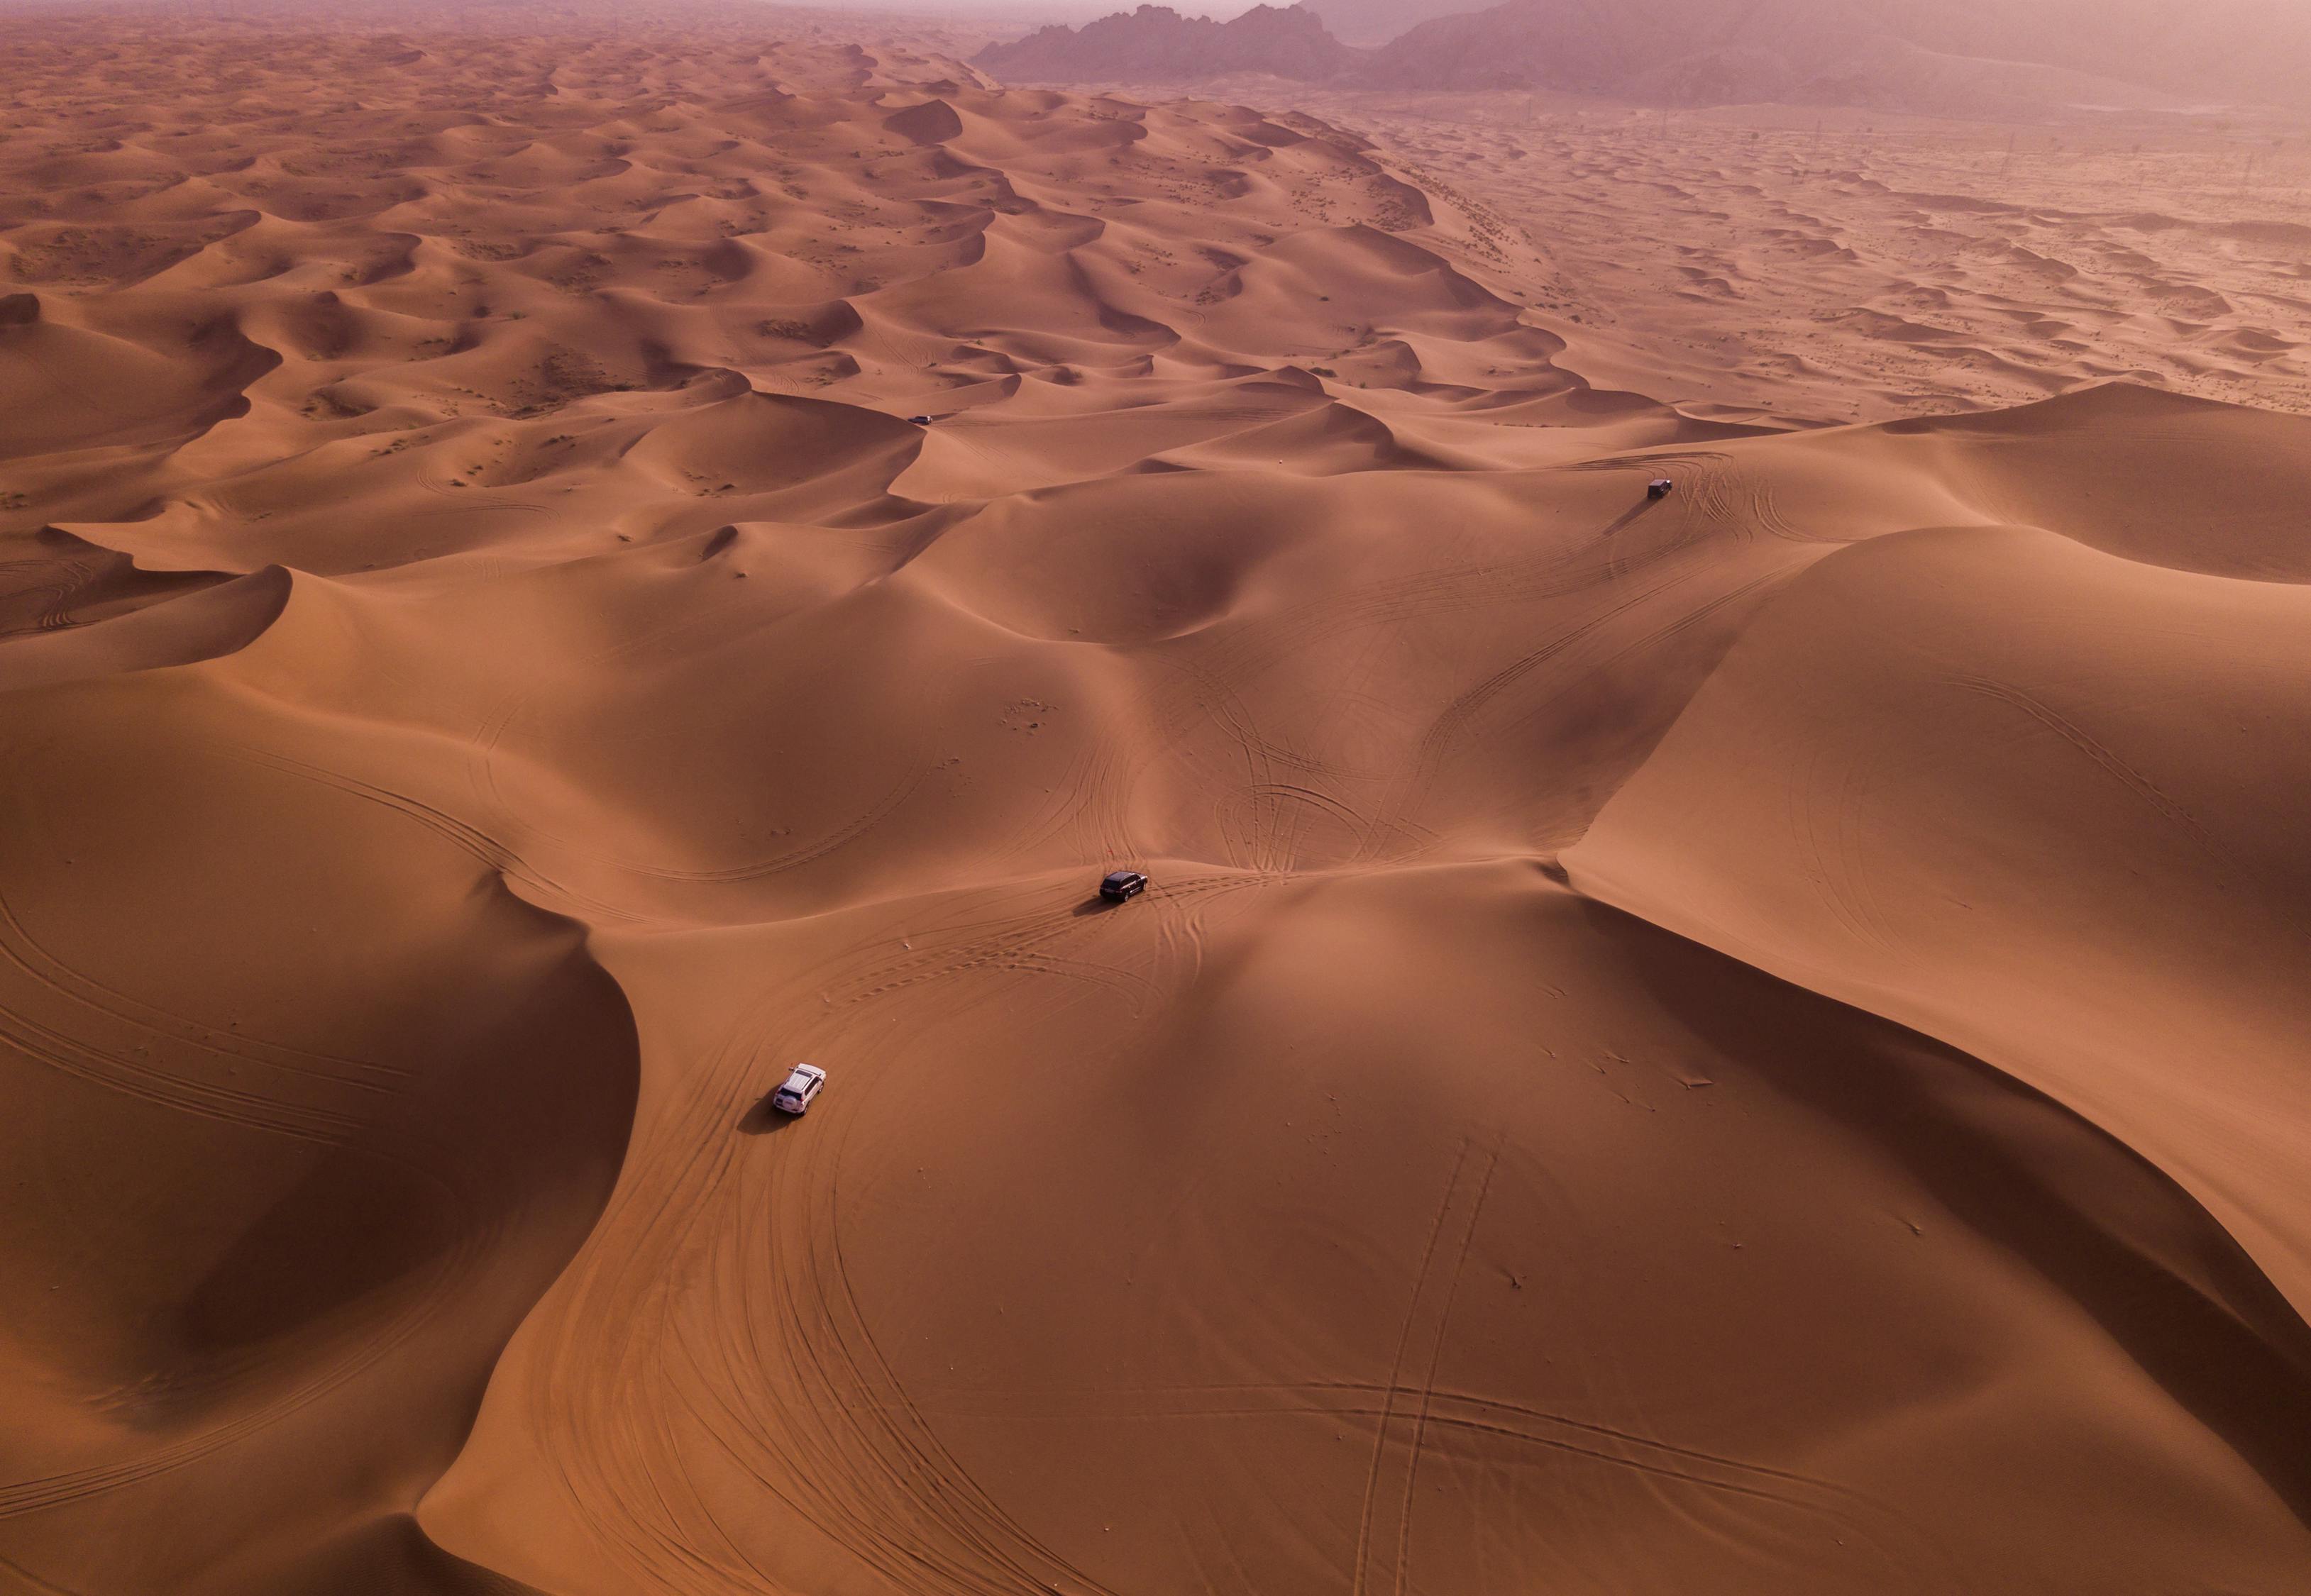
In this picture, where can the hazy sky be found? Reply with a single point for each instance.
(1067, 10)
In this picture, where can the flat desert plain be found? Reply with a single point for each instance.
(1755, 1040)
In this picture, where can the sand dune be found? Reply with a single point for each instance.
(1840, 266)
(1744, 1042)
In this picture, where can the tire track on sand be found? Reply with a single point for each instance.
(1847, 1511)
(1384, 1526)
(719, 1331)
(467, 838)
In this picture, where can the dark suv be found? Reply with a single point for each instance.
(1123, 885)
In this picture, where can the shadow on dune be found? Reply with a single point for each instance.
(1630, 516)
(390, 1557)
(762, 1120)
(2091, 1218)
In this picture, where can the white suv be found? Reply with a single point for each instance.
(800, 1089)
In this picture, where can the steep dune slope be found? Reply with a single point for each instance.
(1730, 1043)
(2051, 826)
(305, 1107)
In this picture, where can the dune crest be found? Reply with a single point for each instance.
(2034, 830)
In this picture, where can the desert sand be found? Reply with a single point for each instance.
(1828, 265)
(1748, 1042)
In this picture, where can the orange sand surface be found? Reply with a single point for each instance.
(1836, 265)
(1751, 1042)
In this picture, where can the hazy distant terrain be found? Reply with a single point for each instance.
(1155, 44)
(1376, 22)
(1962, 57)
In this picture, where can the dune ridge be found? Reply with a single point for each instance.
(1739, 1042)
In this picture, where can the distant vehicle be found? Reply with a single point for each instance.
(1660, 488)
(1123, 885)
(800, 1089)
(919, 420)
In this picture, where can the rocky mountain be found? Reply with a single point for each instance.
(1157, 44)
(1570, 45)
(1959, 57)
(1377, 21)
(1925, 54)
